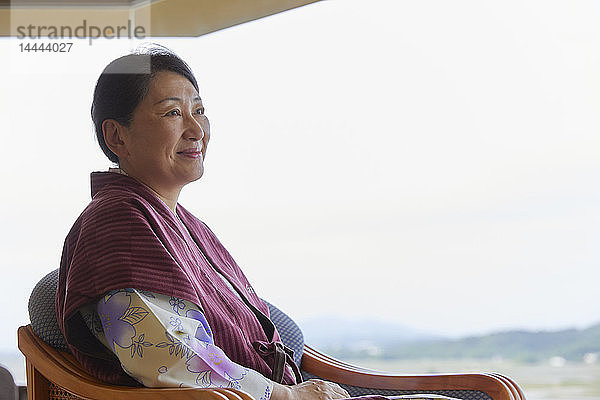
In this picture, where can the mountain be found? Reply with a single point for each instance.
(570, 344)
(337, 332)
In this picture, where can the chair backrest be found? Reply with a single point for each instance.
(42, 314)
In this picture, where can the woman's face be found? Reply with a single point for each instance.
(166, 141)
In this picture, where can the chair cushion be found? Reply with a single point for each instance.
(42, 314)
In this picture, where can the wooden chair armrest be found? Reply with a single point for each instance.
(496, 386)
(514, 386)
(63, 370)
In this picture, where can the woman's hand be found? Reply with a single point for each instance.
(313, 389)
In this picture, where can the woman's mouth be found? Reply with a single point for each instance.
(191, 153)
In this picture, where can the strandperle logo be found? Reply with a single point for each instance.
(81, 31)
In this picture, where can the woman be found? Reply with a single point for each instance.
(147, 294)
(174, 309)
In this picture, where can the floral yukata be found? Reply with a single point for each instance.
(166, 341)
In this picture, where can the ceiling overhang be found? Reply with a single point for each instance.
(160, 18)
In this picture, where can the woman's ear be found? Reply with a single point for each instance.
(113, 137)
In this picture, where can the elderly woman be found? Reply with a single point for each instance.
(147, 294)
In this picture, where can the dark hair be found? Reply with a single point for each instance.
(125, 82)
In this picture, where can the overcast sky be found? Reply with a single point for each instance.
(432, 163)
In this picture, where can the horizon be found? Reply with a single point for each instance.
(414, 334)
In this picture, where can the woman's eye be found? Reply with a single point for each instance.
(173, 112)
(200, 110)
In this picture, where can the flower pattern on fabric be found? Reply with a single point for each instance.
(209, 363)
(177, 304)
(207, 377)
(174, 340)
(176, 347)
(138, 345)
(118, 318)
(267, 394)
(176, 323)
(203, 332)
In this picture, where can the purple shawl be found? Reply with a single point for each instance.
(128, 238)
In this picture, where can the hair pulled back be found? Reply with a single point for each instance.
(125, 82)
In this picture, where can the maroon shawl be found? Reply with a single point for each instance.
(128, 238)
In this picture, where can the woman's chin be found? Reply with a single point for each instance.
(195, 175)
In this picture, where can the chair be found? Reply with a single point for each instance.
(53, 373)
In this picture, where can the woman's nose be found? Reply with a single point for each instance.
(194, 130)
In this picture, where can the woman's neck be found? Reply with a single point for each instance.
(171, 203)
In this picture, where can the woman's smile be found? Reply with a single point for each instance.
(191, 153)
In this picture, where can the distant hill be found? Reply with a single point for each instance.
(571, 344)
(337, 332)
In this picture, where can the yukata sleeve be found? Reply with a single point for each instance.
(164, 341)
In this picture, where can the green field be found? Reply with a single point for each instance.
(573, 381)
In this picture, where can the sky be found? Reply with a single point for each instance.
(429, 163)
